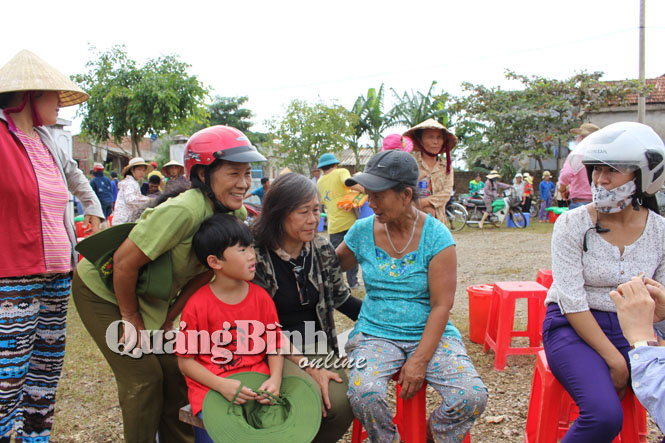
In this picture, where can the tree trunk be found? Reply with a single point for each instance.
(136, 150)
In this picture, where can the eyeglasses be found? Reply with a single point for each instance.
(303, 294)
(301, 281)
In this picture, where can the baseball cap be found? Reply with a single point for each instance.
(386, 170)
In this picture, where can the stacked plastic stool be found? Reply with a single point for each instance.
(502, 317)
(545, 277)
(410, 418)
(552, 410)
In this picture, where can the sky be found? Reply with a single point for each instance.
(277, 51)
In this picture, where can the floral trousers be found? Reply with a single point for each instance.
(450, 372)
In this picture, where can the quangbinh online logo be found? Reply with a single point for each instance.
(245, 337)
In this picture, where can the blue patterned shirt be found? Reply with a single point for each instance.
(397, 303)
(647, 367)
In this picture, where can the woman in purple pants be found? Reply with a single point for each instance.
(594, 249)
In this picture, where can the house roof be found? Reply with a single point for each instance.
(656, 96)
(349, 159)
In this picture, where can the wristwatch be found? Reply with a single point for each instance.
(640, 343)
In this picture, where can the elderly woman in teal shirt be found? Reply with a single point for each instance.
(409, 269)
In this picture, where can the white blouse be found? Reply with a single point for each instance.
(130, 202)
(583, 280)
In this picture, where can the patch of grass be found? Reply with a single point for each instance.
(87, 407)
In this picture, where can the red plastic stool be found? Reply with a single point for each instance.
(502, 317)
(551, 410)
(545, 277)
(410, 418)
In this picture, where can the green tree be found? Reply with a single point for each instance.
(128, 99)
(371, 118)
(309, 130)
(417, 107)
(229, 111)
(359, 129)
(534, 121)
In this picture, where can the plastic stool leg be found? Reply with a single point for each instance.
(411, 417)
(535, 404)
(358, 434)
(504, 331)
(492, 321)
(535, 321)
(634, 420)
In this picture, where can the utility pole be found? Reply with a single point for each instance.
(641, 100)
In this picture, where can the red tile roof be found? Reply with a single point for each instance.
(656, 96)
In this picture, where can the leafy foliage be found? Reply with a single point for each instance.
(309, 130)
(533, 121)
(127, 99)
(371, 118)
(417, 107)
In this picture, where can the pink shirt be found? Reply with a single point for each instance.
(577, 182)
(53, 199)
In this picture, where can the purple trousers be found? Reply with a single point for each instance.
(585, 375)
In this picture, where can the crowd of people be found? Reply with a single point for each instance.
(189, 266)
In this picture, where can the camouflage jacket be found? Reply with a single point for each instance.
(325, 274)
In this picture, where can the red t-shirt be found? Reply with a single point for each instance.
(243, 348)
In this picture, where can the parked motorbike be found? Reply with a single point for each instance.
(253, 211)
(511, 208)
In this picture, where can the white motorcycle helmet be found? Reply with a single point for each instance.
(626, 147)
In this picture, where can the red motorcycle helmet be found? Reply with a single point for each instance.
(219, 143)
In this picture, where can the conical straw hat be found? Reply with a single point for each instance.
(27, 72)
(450, 139)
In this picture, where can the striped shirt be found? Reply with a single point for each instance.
(53, 199)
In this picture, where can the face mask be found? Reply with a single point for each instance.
(613, 201)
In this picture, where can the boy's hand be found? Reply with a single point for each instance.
(228, 388)
(271, 385)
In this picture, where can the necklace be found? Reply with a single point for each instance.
(413, 231)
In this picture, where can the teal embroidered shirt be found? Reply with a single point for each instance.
(397, 303)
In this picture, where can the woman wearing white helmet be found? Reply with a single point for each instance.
(594, 249)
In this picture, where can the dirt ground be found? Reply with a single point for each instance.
(87, 409)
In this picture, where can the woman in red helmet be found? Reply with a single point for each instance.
(151, 389)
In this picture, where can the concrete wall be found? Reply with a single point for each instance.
(654, 117)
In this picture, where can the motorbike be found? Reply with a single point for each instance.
(253, 211)
(511, 209)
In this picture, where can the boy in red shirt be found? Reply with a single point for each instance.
(231, 316)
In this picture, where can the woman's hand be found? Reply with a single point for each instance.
(93, 221)
(271, 385)
(228, 388)
(412, 376)
(619, 373)
(322, 377)
(136, 321)
(167, 325)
